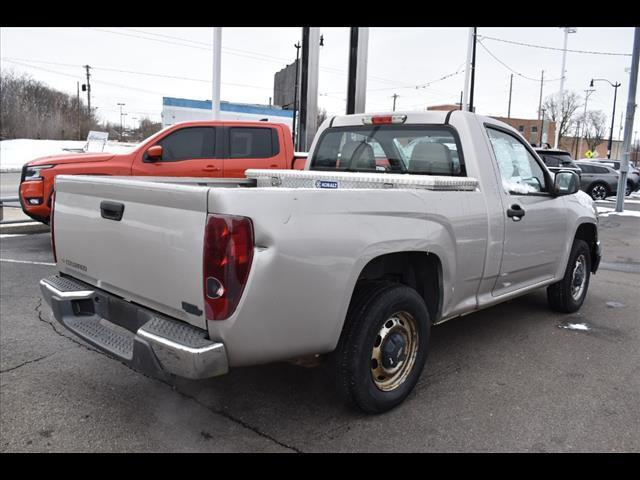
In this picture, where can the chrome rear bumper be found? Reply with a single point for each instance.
(142, 338)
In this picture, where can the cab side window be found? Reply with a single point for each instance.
(188, 144)
(520, 172)
(252, 142)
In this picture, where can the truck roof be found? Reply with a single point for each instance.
(414, 117)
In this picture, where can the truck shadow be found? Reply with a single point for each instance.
(278, 396)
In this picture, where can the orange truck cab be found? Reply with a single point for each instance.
(186, 149)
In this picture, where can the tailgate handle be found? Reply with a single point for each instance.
(111, 210)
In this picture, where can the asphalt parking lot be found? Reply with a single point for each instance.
(509, 378)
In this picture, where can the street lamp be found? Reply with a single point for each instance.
(613, 115)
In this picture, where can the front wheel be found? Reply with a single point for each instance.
(568, 294)
(384, 346)
(599, 191)
(629, 189)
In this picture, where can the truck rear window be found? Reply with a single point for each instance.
(424, 150)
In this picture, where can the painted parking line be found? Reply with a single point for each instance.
(9, 235)
(29, 262)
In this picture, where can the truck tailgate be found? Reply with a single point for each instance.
(151, 256)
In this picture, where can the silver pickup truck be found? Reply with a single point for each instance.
(398, 222)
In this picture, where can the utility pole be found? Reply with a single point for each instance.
(540, 101)
(395, 95)
(357, 82)
(584, 120)
(473, 69)
(121, 105)
(295, 95)
(567, 31)
(87, 67)
(217, 67)
(310, 58)
(510, 90)
(78, 110)
(461, 95)
(628, 127)
(542, 126)
(467, 70)
(620, 135)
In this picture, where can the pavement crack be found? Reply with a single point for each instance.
(27, 363)
(240, 422)
(227, 415)
(38, 310)
(222, 413)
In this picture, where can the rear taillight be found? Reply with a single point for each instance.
(53, 238)
(228, 253)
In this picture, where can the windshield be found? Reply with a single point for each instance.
(425, 150)
(557, 159)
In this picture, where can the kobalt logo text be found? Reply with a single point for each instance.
(326, 184)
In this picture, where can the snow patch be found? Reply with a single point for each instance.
(575, 326)
(606, 211)
(15, 153)
(516, 187)
(584, 199)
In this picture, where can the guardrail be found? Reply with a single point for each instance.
(3, 204)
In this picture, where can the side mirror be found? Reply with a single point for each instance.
(566, 183)
(154, 153)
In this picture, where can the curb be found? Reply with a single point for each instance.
(24, 228)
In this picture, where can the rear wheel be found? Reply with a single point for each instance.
(384, 346)
(599, 191)
(568, 294)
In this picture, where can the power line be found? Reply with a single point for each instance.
(544, 47)
(231, 51)
(175, 77)
(511, 69)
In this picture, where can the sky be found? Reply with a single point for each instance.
(137, 66)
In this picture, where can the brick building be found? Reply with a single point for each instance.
(528, 128)
(570, 144)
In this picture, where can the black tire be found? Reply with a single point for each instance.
(559, 294)
(599, 191)
(629, 189)
(374, 305)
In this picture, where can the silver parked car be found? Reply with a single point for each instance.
(599, 181)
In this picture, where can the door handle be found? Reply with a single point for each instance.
(515, 212)
(273, 166)
(111, 210)
(210, 168)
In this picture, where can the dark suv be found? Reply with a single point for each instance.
(598, 180)
(633, 175)
(557, 160)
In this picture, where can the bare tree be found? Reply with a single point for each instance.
(30, 109)
(563, 112)
(322, 116)
(595, 128)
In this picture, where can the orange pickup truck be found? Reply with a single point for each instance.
(187, 149)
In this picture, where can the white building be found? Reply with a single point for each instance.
(176, 110)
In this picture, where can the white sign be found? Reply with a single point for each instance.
(96, 140)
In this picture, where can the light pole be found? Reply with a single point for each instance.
(613, 115)
(567, 31)
(121, 105)
(584, 120)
